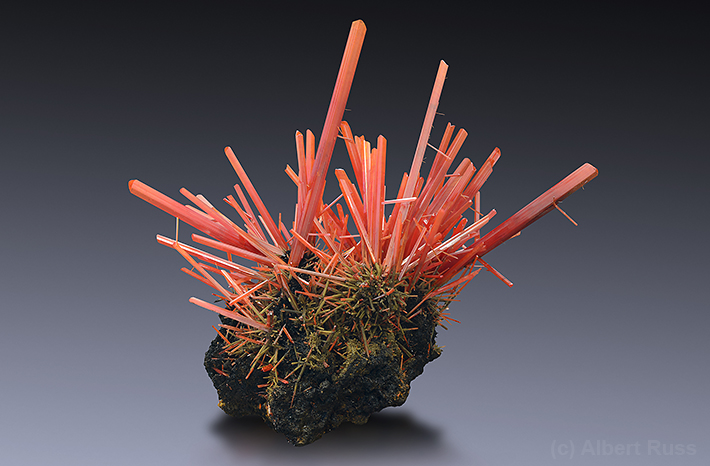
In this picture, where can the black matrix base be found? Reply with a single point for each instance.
(327, 391)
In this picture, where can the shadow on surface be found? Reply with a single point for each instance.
(384, 436)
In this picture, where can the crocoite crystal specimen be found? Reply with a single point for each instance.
(331, 325)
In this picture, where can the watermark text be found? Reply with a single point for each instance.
(569, 449)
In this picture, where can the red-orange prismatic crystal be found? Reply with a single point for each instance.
(424, 239)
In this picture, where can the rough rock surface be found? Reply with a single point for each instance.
(325, 395)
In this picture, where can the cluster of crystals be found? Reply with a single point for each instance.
(425, 238)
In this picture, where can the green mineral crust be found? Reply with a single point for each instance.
(320, 370)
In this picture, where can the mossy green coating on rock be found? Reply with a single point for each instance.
(317, 382)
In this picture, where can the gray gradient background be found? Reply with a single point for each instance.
(603, 338)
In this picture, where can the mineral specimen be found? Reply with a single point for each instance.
(330, 325)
